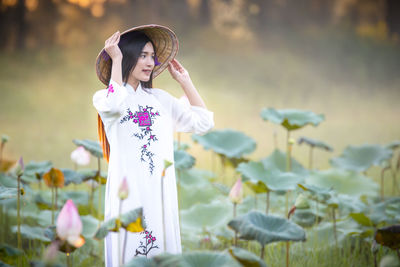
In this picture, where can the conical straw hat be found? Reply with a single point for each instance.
(166, 44)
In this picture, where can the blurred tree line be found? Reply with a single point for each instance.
(37, 23)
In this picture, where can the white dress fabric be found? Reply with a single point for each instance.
(139, 126)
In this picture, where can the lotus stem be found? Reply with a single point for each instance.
(287, 253)
(68, 256)
(275, 140)
(19, 218)
(262, 252)
(55, 202)
(334, 226)
(1, 151)
(91, 197)
(395, 185)
(255, 200)
(234, 216)
(288, 164)
(52, 206)
(267, 209)
(310, 161)
(223, 161)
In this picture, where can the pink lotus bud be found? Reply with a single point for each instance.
(236, 194)
(50, 253)
(69, 224)
(123, 191)
(19, 170)
(184, 100)
(80, 156)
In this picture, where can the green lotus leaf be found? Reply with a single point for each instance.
(291, 119)
(8, 181)
(34, 170)
(314, 143)
(277, 162)
(254, 173)
(90, 225)
(206, 215)
(361, 219)
(230, 143)
(343, 182)
(183, 160)
(181, 146)
(92, 146)
(188, 259)
(393, 145)
(378, 211)
(10, 251)
(305, 217)
(389, 236)
(351, 204)
(71, 176)
(31, 232)
(266, 228)
(7, 192)
(246, 258)
(194, 177)
(79, 197)
(43, 200)
(223, 189)
(361, 158)
(320, 194)
(111, 225)
(393, 211)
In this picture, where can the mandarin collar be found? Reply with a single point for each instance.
(131, 90)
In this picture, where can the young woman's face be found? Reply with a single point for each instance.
(145, 64)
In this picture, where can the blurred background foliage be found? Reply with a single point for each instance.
(336, 57)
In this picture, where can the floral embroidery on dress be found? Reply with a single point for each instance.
(147, 244)
(110, 89)
(144, 118)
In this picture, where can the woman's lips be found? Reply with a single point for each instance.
(148, 72)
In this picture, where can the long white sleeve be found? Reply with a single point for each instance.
(109, 102)
(192, 119)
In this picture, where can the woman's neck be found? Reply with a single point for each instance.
(133, 83)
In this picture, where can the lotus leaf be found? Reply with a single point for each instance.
(362, 219)
(8, 181)
(222, 188)
(378, 211)
(266, 228)
(113, 224)
(71, 176)
(291, 119)
(195, 177)
(230, 143)
(361, 158)
(7, 192)
(92, 146)
(254, 172)
(34, 170)
(33, 233)
(206, 215)
(319, 194)
(389, 236)
(393, 145)
(343, 182)
(277, 161)
(79, 197)
(305, 217)
(9, 250)
(89, 224)
(181, 146)
(189, 259)
(183, 160)
(314, 143)
(246, 258)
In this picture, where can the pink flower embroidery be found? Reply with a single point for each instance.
(153, 238)
(110, 89)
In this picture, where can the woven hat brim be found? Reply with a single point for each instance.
(166, 44)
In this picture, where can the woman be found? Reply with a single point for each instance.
(136, 124)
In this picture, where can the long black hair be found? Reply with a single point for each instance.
(131, 45)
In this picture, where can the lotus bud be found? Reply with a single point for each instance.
(236, 193)
(123, 191)
(51, 252)
(80, 156)
(19, 170)
(4, 139)
(69, 225)
(291, 141)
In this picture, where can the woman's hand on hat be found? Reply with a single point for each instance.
(112, 48)
(178, 72)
